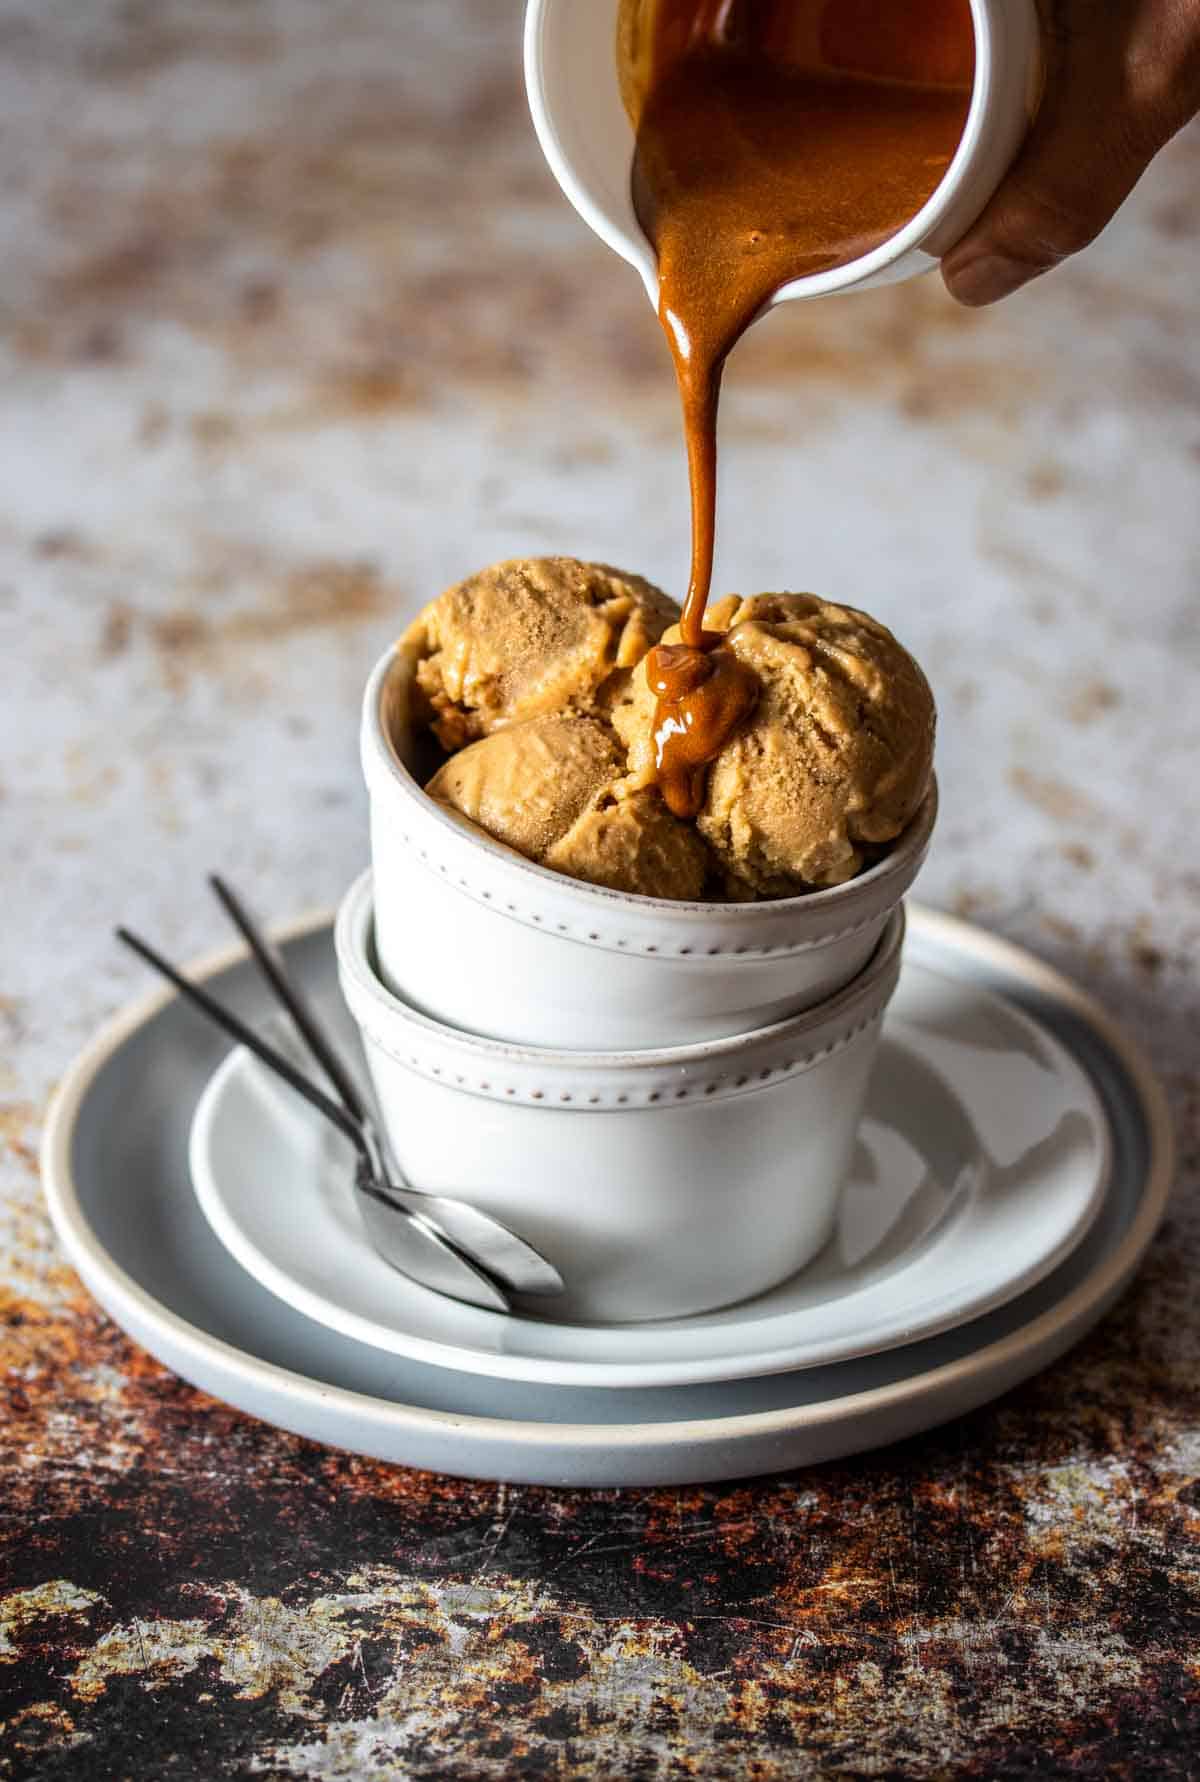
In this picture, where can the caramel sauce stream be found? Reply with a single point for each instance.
(776, 139)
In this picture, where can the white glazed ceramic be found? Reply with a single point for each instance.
(587, 138)
(659, 1183)
(114, 1165)
(477, 936)
(982, 1160)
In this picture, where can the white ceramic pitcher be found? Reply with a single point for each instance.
(572, 80)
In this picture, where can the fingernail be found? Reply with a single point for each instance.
(985, 279)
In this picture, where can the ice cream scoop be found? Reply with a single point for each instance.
(551, 788)
(834, 760)
(529, 637)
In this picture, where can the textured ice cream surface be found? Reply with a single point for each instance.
(551, 788)
(835, 759)
(526, 785)
(532, 637)
(633, 843)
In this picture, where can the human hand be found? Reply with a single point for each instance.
(1122, 77)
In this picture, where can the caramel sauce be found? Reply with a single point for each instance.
(776, 139)
(703, 694)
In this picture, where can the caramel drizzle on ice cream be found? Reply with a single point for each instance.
(704, 695)
(775, 139)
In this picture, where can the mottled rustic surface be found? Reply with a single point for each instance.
(295, 329)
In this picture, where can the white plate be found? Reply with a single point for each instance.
(116, 1178)
(982, 1161)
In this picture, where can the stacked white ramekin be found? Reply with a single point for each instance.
(662, 1097)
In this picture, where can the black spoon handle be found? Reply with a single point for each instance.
(270, 963)
(246, 1036)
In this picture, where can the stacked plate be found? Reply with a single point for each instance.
(1010, 1171)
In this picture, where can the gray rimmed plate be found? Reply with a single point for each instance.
(115, 1164)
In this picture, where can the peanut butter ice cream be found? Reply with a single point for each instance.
(529, 638)
(551, 788)
(835, 758)
(534, 676)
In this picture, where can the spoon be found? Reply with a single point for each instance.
(440, 1241)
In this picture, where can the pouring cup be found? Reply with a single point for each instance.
(573, 83)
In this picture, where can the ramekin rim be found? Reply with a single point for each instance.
(364, 990)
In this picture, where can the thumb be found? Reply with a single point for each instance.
(1100, 124)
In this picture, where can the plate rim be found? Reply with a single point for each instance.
(591, 1375)
(97, 1266)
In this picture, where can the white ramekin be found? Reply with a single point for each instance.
(572, 81)
(475, 935)
(659, 1183)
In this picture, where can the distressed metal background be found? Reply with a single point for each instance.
(295, 329)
